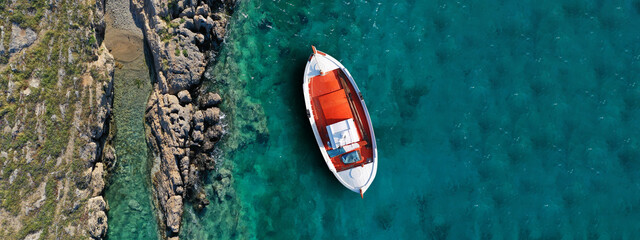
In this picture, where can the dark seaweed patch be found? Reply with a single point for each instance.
(265, 24)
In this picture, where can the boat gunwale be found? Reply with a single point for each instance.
(314, 126)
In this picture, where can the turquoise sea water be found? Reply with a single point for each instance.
(131, 215)
(495, 120)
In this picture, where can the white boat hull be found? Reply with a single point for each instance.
(357, 179)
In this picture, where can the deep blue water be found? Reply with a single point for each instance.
(494, 119)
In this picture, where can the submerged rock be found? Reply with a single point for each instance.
(224, 173)
(134, 205)
(206, 160)
(220, 190)
(201, 200)
(109, 154)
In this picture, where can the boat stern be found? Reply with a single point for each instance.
(357, 179)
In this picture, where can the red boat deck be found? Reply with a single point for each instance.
(334, 99)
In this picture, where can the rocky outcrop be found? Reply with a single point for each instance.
(97, 179)
(180, 46)
(97, 153)
(100, 25)
(173, 123)
(33, 236)
(89, 152)
(210, 100)
(56, 86)
(103, 100)
(21, 38)
(2, 51)
(169, 124)
(174, 213)
(184, 124)
(109, 154)
(221, 186)
(97, 223)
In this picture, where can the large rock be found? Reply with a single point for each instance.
(109, 154)
(2, 41)
(83, 180)
(182, 70)
(33, 236)
(212, 115)
(88, 152)
(219, 30)
(100, 25)
(184, 97)
(201, 200)
(21, 38)
(104, 94)
(188, 12)
(96, 204)
(97, 179)
(203, 10)
(184, 164)
(176, 180)
(197, 137)
(193, 175)
(210, 100)
(170, 124)
(97, 222)
(206, 160)
(214, 133)
(174, 213)
(204, 23)
(198, 120)
(172, 102)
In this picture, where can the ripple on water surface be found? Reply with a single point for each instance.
(131, 215)
(494, 119)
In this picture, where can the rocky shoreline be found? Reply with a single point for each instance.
(183, 122)
(98, 152)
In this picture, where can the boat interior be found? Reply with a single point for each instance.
(341, 120)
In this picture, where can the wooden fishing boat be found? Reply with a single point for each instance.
(340, 122)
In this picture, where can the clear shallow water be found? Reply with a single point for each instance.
(500, 120)
(131, 215)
